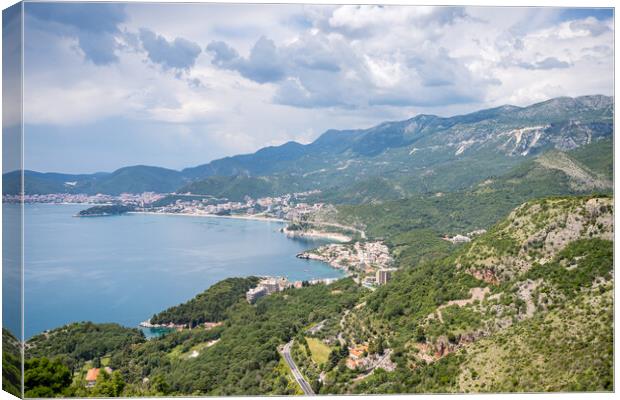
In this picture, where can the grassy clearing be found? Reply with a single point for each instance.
(178, 354)
(319, 350)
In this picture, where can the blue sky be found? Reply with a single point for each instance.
(176, 85)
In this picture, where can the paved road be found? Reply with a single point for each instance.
(305, 386)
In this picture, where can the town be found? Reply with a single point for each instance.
(289, 206)
(128, 199)
(369, 262)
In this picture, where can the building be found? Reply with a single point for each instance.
(298, 284)
(92, 375)
(270, 284)
(255, 293)
(357, 357)
(211, 325)
(384, 275)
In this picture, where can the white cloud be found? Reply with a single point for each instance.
(316, 67)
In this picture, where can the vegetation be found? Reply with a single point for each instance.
(79, 342)
(45, 378)
(209, 306)
(235, 188)
(11, 364)
(245, 359)
(98, 211)
(567, 349)
(318, 350)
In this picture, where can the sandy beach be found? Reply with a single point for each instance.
(250, 217)
(337, 237)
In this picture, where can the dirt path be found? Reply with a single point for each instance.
(475, 294)
(340, 226)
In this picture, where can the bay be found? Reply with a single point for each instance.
(125, 268)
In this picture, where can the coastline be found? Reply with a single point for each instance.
(248, 217)
(313, 234)
(341, 273)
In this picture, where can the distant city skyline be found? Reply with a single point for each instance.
(177, 85)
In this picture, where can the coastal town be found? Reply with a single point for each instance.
(290, 206)
(127, 199)
(367, 261)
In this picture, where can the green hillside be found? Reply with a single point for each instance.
(527, 306)
(209, 306)
(11, 364)
(543, 324)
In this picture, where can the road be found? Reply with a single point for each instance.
(378, 364)
(305, 386)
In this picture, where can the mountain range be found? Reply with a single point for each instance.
(426, 153)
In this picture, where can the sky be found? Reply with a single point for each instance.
(177, 85)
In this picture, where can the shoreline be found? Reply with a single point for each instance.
(341, 273)
(246, 217)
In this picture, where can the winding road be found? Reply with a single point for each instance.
(305, 386)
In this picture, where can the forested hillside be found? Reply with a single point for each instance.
(536, 289)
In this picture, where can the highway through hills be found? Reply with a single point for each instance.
(299, 378)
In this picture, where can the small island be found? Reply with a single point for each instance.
(105, 210)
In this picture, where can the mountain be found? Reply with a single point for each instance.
(135, 179)
(235, 188)
(422, 154)
(413, 226)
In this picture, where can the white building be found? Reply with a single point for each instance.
(255, 293)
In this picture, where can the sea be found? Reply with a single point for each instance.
(128, 267)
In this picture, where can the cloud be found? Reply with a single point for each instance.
(287, 72)
(369, 20)
(179, 54)
(95, 25)
(328, 70)
(547, 63)
(264, 64)
(591, 25)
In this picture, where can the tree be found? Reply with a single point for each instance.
(380, 345)
(45, 378)
(159, 385)
(108, 385)
(420, 335)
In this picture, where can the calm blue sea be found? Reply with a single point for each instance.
(126, 268)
